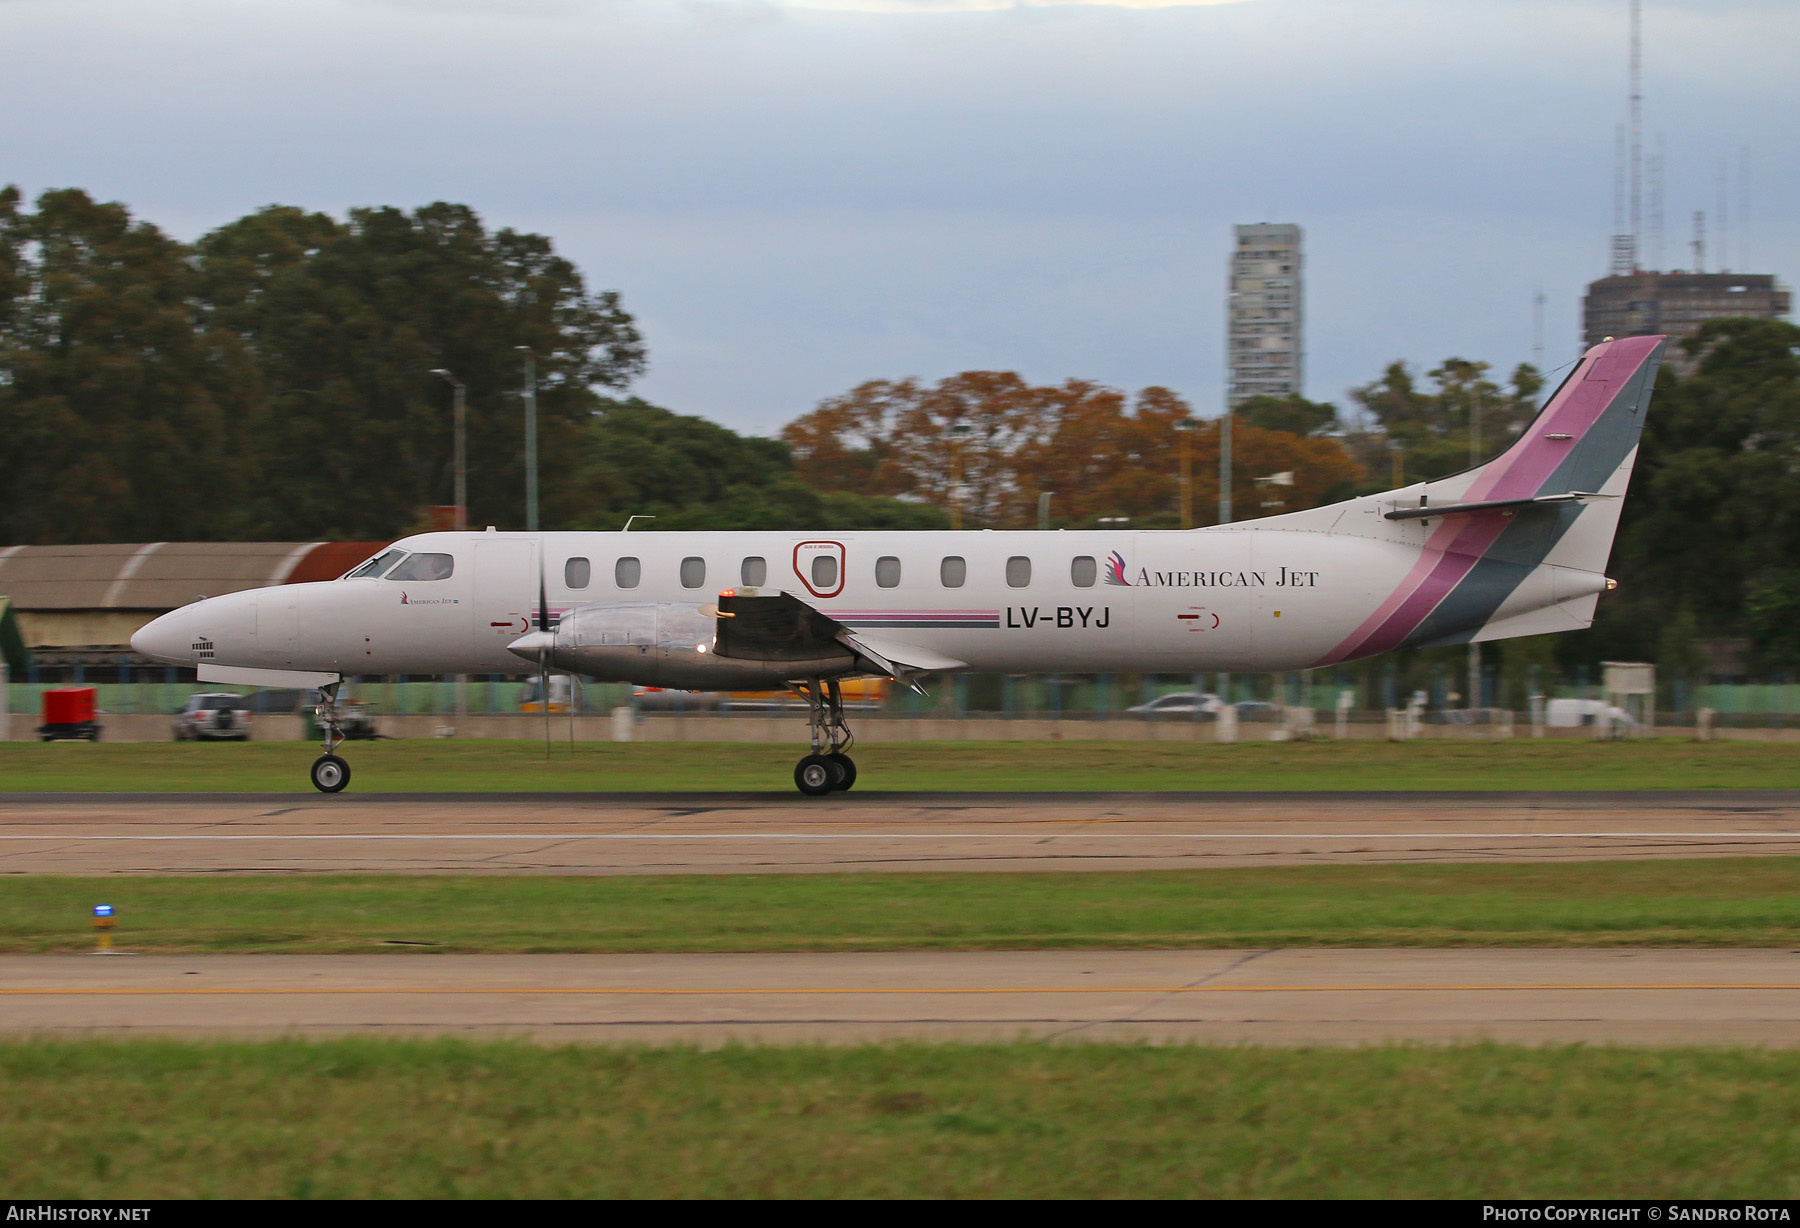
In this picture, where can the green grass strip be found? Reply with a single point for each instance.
(448, 1119)
(1737, 902)
(432, 765)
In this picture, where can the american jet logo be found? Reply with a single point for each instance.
(404, 600)
(1115, 570)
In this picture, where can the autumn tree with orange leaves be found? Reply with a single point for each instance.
(1100, 452)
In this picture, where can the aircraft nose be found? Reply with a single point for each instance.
(167, 639)
(531, 643)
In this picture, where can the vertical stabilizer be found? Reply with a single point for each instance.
(1529, 530)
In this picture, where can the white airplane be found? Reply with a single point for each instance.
(1517, 546)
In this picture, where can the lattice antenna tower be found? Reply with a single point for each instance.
(1653, 176)
(1637, 128)
(1722, 221)
(1628, 219)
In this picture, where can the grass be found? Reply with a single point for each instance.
(1738, 902)
(407, 766)
(450, 1119)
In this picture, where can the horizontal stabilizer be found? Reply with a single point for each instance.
(1425, 511)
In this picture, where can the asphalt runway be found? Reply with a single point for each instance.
(712, 833)
(1281, 997)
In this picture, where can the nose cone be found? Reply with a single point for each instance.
(532, 643)
(168, 639)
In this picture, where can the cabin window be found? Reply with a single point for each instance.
(376, 565)
(953, 571)
(424, 567)
(824, 571)
(1018, 571)
(887, 571)
(577, 573)
(1082, 571)
(627, 573)
(754, 573)
(693, 572)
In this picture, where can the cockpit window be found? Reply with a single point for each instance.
(424, 567)
(377, 565)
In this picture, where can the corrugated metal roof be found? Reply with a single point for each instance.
(159, 575)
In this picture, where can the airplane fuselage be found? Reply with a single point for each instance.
(1226, 598)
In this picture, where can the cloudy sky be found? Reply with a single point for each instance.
(796, 196)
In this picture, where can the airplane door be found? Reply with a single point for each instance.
(503, 594)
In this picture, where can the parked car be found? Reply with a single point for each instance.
(1181, 704)
(213, 718)
(1465, 716)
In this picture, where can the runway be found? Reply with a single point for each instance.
(1284, 997)
(711, 833)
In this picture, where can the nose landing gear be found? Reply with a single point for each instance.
(330, 773)
(828, 769)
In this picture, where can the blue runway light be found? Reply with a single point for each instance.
(103, 910)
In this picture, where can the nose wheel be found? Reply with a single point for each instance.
(828, 769)
(329, 772)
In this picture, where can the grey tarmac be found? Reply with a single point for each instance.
(720, 833)
(1274, 997)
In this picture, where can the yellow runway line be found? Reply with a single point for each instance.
(801, 991)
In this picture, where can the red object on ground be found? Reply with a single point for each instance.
(70, 705)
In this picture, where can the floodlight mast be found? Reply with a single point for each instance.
(531, 446)
(462, 451)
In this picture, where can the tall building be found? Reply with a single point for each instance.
(1641, 303)
(1263, 342)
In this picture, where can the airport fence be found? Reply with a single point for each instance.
(1772, 704)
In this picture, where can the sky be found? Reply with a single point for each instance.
(795, 197)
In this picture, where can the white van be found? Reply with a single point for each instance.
(1570, 713)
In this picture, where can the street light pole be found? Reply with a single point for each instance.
(462, 451)
(1225, 466)
(531, 448)
(462, 510)
(959, 431)
(1184, 429)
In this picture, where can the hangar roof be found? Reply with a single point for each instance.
(163, 575)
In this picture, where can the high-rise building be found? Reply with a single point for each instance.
(1263, 310)
(1642, 303)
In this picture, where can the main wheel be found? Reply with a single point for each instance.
(816, 775)
(330, 774)
(846, 767)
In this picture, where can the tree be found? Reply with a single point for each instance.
(693, 474)
(1464, 420)
(1294, 414)
(344, 324)
(113, 430)
(1713, 522)
(1099, 452)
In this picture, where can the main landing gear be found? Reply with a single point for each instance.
(329, 772)
(828, 768)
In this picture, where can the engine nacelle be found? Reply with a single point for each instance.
(669, 644)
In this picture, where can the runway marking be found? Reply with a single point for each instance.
(484, 991)
(949, 835)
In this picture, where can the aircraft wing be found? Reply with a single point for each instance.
(779, 626)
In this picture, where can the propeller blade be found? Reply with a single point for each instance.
(543, 612)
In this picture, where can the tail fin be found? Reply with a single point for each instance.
(1519, 546)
